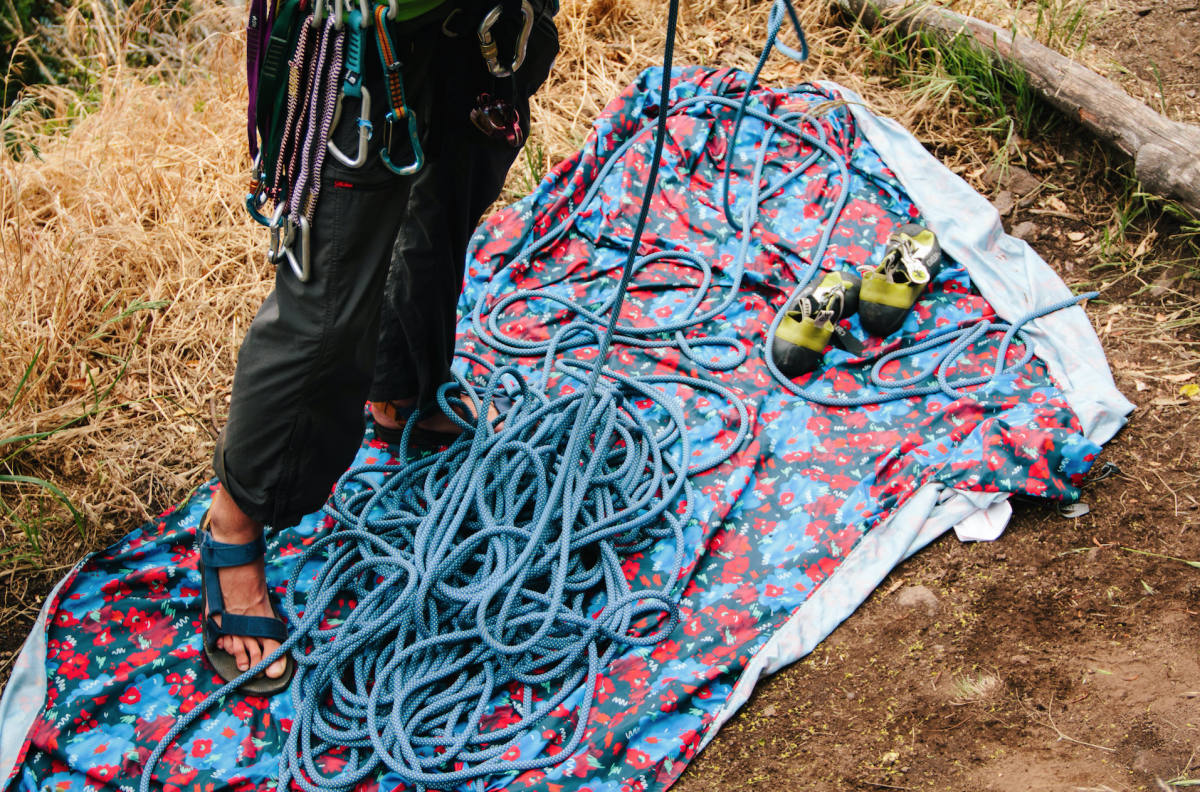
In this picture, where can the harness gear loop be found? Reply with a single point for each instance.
(446, 29)
(487, 45)
(399, 110)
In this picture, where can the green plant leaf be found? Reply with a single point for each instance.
(53, 490)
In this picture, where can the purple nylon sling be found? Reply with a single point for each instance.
(258, 32)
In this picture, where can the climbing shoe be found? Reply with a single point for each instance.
(810, 322)
(911, 259)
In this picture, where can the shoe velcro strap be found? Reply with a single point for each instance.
(253, 627)
(222, 554)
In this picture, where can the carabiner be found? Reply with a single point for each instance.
(277, 244)
(254, 202)
(364, 131)
(487, 45)
(304, 269)
(319, 11)
(418, 155)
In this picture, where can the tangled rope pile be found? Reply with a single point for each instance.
(480, 573)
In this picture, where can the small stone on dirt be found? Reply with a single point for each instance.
(769, 711)
(918, 597)
(1004, 203)
(1014, 178)
(1020, 659)
(1143, 10)
(1025, 231)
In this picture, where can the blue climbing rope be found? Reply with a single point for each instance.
(493, 569)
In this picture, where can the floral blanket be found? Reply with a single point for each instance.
(123, 657)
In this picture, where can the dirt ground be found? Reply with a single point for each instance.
(1152, 49)
(1061, 657)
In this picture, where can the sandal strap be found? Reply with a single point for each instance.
(396, 413)
(222, 554)
(250, 627)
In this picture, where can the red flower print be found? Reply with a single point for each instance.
(75, 668)
(638, 759)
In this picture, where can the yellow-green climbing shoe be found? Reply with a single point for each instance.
(807, 327)
(912, 259)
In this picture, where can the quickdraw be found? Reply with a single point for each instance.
(399, 110)
(352, 86)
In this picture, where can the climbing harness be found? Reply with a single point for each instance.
(398, 109)
(492, 570)
(488, 47)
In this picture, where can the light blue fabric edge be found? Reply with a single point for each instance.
(25, 692)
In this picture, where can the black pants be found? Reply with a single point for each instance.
(377, 317)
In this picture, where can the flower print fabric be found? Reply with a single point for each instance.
(124, 658)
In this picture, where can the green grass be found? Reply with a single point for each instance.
(998, 98)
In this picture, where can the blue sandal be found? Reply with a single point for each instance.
(215, 555)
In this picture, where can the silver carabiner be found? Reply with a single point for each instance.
(487, 45)
(319, 11)
(364, 131)
(281, 244)
(277, 243)
(304, 269)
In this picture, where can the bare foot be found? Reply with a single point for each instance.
(244, 588)
(437, 421)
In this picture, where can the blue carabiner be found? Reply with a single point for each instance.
(418, 155)
(252, 203)
(255, 200)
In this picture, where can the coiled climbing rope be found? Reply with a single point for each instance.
(491, 571)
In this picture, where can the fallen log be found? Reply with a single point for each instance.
(1165, 153)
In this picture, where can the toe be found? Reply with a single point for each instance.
(276, 669)
(254, 649)
(239, 652)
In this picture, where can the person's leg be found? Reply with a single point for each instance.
(304, 370)
(463, 175)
